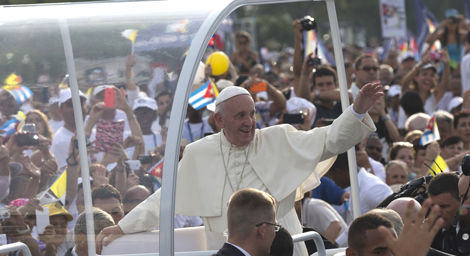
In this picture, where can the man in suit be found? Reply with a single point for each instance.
(251, 219)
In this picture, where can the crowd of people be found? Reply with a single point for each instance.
(298, 92)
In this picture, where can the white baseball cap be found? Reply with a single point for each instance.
(394, 90)
(454, 102)
(100, 88)
(66, 94)
(407, 55)
(145, 103)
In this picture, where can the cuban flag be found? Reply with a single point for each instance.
(19, 92)
(157, 170)
(203, 96)
(431, 133)
(9, 127)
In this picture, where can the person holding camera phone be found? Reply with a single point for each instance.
(422, 79)
(451, 33)
(97, 112)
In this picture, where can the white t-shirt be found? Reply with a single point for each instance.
(378, 168)
(319, 215)
(193, 132)
(151, 142)
(465, 73)
(60, 146)
(55, 125)
(431, 105)
(372, 191)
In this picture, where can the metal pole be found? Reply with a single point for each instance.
(330, 5)
(77, 111)
(14, 247)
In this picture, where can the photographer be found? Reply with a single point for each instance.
(443, 191)
(17, 231)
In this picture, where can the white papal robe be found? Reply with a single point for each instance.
(280, 159)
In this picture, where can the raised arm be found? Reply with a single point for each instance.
(408, 78)
(445, 78)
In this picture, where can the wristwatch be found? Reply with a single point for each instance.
(22, 232)
(121, 170)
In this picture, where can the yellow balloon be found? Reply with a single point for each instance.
(219, 63)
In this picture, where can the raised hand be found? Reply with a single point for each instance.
(30, 168)
(49, 168)
(99, 176)
(416, 237)
(367, 96)
(111, 233)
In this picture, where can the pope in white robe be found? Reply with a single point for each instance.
(276, 160)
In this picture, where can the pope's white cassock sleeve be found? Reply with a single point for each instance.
(280, 156)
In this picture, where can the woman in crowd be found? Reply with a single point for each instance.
(244, 58)
(397, 174)
(404, 151)
(453, 152)
(424, 80)
(462, 128)
(42, 157)
(451, 34)
(386, 129)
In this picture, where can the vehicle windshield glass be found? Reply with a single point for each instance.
(128, 57)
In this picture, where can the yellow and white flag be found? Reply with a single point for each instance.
(130, 34)
(439, 165)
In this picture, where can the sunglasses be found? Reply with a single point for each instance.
(242, 42)
(277, 227)
(369, 68)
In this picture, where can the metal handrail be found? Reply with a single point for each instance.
(15, 247)
(316, 238)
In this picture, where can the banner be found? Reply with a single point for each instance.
(393, 18)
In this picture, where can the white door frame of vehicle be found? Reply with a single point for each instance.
(183, 89)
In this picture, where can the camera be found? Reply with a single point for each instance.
(308, 23)
(4, 213)
(27, 139)
(315, 61)
(294, 118)
(466, 165)
(455, 19)
(144, 159)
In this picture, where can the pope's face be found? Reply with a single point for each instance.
(237, 118)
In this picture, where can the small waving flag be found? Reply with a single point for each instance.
(431, 133)
(19, 92)
(203, 96)
(439, 166)
(9, 127)
(13, 79)
(12, 125)
(59, 187)
(157, 170)
(130, 34)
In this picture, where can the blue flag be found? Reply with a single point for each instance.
(426, 22)
(467, 9)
